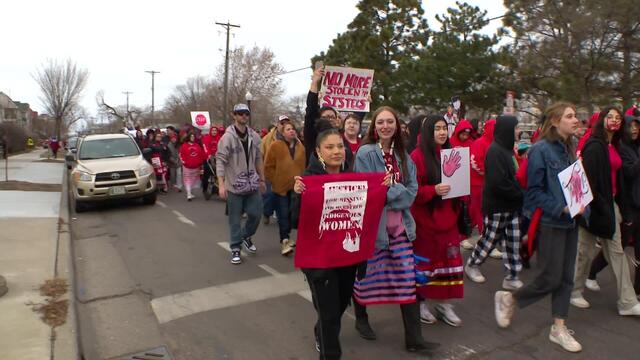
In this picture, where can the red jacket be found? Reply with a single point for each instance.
(192, 155)
(443, 216)
(455, 140)
(478, 150)
(210, 142)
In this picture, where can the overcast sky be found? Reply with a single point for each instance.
(118, 40)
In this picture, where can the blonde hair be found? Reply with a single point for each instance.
(553, 115)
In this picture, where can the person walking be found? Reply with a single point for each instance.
(241, 180)
(437, 235)
(175, 165)
(389, 276)
(192, 157)
(331, 288)
(268, 199)
(557, 232)
(352, 132)
(603, 167)
(285, 160)
(501, 204)
(159, 159)
(210, 145)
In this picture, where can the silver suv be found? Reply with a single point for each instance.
(111, 167)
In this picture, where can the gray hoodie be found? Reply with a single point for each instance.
(232, 165)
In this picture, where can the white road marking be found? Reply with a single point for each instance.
(270, 270)
(176, 306)
(224, 245)
(162, 204)
(183, 218)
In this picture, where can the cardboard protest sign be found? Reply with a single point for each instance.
(346, 89)
(456, 171)
(339, 218)
(575, 187)
(201, 119)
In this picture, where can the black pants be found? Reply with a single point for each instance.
(331, 290)
(557, 251)
(630, 233)
(207, 174)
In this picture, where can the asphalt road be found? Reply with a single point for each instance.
(150, 276)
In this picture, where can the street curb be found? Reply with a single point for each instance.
(65, 344)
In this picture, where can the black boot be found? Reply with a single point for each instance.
(412, 330)
(362, 322)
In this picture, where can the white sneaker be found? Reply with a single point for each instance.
(634, 311)
(285, 247)
(495, 253)
(579, 302)
(503, 309)
(592, 285)
(426, 317)
(511, 284)
(466, 244)
(564, 337)
(446, 314)
(473, 273)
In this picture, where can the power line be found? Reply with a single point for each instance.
(227, 27)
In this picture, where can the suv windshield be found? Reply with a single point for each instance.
(108, 148)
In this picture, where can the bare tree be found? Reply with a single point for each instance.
(62, 85)
(126, 117)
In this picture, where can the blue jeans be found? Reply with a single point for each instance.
(282, 211)
(268, 201)
(251, 204)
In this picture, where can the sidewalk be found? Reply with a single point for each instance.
(34, 247)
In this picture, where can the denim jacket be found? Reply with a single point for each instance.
(546, 160)
(399, 196)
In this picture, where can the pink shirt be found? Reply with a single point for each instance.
(616, 164)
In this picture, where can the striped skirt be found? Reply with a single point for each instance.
(391, 277)
(190, 177)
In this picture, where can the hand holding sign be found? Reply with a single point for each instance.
(451, 163)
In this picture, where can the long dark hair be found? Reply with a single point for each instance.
(598, 130)
(398, 141)
(428, 147)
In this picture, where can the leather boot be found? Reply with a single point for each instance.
(413, 331)
(362, 322)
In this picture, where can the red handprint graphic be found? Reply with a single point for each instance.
(451, 163)
(576, 185)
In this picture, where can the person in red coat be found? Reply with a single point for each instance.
(210, 146)
(437, 235)
(192, 156)
(462, 135)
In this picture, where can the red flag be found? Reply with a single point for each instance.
(339, 218)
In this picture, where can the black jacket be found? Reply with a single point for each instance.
(595, 159)
(501, 192)
(630, 154)
(312, 114)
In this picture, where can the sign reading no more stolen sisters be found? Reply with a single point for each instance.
(346, 89)
(339, 218)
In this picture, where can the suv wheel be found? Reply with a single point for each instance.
(80, 206)
(150, 199)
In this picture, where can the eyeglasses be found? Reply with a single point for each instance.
(243, 113)
(328, 117)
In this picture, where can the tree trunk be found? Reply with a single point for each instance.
(625, 86)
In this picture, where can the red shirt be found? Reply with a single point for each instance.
(192, 155)
(616, 164)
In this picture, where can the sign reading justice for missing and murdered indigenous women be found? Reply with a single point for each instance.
(346, 89)
(339, 218)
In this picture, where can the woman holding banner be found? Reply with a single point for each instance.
(393, 261)
(437, 234)
(331, 288)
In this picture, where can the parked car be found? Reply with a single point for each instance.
(111, 167)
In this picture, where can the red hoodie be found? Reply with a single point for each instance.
(443, 216)
(455, 140)
(477, 152)
(210, 142)
(192, 155)
(587, 134)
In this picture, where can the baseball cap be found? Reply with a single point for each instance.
(241, 108)
(282, 118)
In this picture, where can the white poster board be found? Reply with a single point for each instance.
(456, 171)
(575, 186)
(346, 89)
(201, 119)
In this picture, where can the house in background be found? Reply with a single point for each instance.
(8, 109)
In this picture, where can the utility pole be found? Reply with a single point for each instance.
(128, 115)
(227, 27)
(153, 76)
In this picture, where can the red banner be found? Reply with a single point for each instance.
(339, 218)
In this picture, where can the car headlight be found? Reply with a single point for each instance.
(145, 170)
(81, 176)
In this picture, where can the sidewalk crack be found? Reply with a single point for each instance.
(146, 293)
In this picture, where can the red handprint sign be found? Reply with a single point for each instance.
(575, 186)
(456, 171)
(451, 163)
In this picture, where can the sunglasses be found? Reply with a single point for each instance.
(243, 113)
